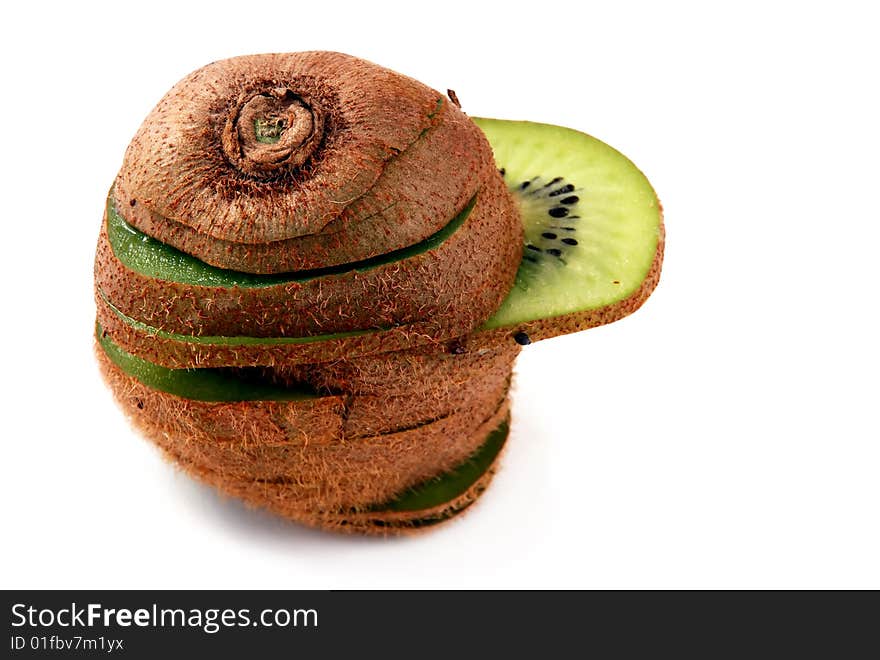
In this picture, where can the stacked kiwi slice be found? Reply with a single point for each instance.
(314, 275)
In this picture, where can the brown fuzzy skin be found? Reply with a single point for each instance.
(177, 354)
(274, 498)
(418, 191)
(304, 444)
(179, 166)
(393, 523)
(284, 497)
(398, 372)
(329, 418)
(463, 280)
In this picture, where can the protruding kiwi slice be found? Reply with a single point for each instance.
(593, 224)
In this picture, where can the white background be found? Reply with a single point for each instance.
(726, 435)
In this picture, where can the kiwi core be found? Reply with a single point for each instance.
(271, 131)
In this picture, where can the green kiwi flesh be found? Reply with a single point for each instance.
(592, 220)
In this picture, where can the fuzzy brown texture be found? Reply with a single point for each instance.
(326, 419)
(284, 497)
(461, 282)
(247, 423)
(274, 498)
(388, 523)
(417, 193)
(299, 445)
(398, 372)
(177, 354)
(180, 166)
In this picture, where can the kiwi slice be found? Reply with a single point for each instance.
(451, 279)
(210, 384)
(593, 224)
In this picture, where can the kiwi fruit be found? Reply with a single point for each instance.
(314, 303)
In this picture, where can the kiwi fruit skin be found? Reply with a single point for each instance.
(384, 519)
(185, 352)
(392, 374)
(308, 445)
(283, 496)
(395, 213)
(351, 410)
(180, 165)
(462, 279)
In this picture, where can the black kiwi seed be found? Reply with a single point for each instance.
(554, 252)
(548, 234)
(502, 172)
(522, 339)
(558, 212)
(524, 185)
(573, 199)
(569, 241)
(533, 247)
(567, 188)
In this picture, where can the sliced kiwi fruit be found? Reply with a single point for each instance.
(593, 229)
(315, 274)
(450, 278)
(594, 245)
